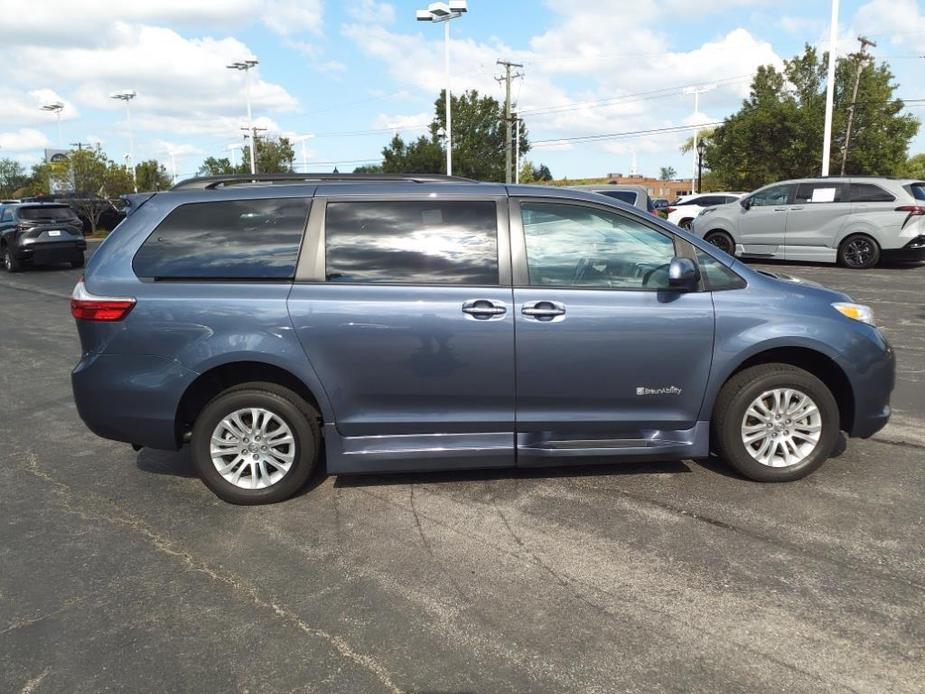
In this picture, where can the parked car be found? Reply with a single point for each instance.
(853, 221)
(686, 209)
(630, 194)
(378, 314)
(40, 234)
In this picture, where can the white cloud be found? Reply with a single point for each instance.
(90, 22)
(23, 139)
(901, 20)
(412, 122)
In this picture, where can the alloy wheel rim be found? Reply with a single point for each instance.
(781, 427)
(858, 252)
(721, 242)
(252, 448)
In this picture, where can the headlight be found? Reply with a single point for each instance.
(855, 311)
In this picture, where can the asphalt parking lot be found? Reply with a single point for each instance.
(121, 571)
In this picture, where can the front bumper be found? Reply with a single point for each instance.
(872, 382)
(131, 398)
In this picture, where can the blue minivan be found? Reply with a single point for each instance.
(399, 323)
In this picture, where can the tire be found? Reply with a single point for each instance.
(858, 252)
(722, 241)
(286, 407)
(78, 263)
(685, 223)
(730, 417)
(10, 262)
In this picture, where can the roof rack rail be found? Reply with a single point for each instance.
(213, 182)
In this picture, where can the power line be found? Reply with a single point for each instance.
(628, 133)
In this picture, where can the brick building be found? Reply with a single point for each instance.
(669, 190)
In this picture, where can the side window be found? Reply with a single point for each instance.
(716, 276)
(7, 215)
(412, 242)
(867, 192)
(234, 239)
(577, 246)
(819, 192)
(730, 198)
(775, 195)
(627, 196)
(689, 201)
(711, 200)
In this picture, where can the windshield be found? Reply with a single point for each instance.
(54, 214)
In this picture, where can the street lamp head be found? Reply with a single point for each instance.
(243, 64)
(55, 107)
(701, 146)
(125, 95)
(442, 11)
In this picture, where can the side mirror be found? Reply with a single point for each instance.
(746, 203)
(683, 273)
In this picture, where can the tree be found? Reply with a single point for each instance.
(913, 167)
(534, 174)
(152, 175)
(274, 155)
(12, 177)
(666, 173)
(368, 169)
(214, 166)
(478, 141)
(778, 132)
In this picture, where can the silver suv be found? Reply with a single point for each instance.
(852, 221)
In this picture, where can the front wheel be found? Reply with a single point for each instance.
(775, 423)
(256, 443)
(858, 252)
(722, 241)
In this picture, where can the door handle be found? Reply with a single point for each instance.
(484, 309)
(796, 208)
(780, 209)
(543, 310)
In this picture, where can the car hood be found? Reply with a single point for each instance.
(791, 280)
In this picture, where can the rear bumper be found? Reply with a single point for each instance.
(55, 252)
(914, 250)
(131, 398)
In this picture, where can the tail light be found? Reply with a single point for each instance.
(912, 210)
(87, 306)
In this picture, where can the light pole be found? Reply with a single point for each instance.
(234, 157)
(697, 91)
(517, 123)
(701, 148)
(444, 12)
(127, 96)
(830, 91)
(56, 107)
(247, 66)
(301, 139)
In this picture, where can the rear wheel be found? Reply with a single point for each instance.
(858, 252)
(722, 241)
(10, 262)
(256, 443)
(775, 423)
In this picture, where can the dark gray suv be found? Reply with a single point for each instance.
(431, 323)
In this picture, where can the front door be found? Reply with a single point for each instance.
(409, 323)
(604, 349)
(762, 225)
(816, 215)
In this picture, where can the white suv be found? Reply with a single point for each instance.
(851, 220)
(685, 209)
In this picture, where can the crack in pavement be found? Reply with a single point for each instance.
(34, 683)
(168, 547)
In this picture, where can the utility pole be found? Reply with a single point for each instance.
(508, 76)
(516, 148)
(861, 57)
(251, 132)
(830, 90)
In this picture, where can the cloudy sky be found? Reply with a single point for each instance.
(352, 73)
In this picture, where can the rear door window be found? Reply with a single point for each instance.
(868, 192)
(819, 192)
(412, 242)
(232, 239)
